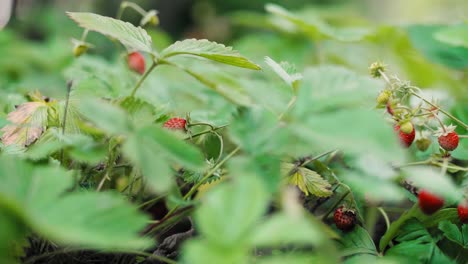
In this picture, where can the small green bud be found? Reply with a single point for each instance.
(150, 18)
(376, 68)
(383, 97)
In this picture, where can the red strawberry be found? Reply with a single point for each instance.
(463, 212)
(405, 139)
(345, 219)
(176, 123)
(136, 62)
(429, 202)
(449, 141)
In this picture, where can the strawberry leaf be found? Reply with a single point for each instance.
(308, 181)
(453, 233)
(28, 122)
(209, 50)
(134, 38)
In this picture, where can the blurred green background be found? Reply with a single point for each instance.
(35, 45)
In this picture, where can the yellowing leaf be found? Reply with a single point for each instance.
(28, 122)
(308, 181)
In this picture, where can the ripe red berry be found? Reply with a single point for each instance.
(463, 212)
(449, 141)
(429, 202)
(176, 123)
(345, 219)
(136, 62)
(405, 139)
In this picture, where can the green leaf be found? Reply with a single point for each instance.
(416, 243)
(328, 88)
(422, 38)
(229, 212)
(175, 148)
(27, 123)
(277, 230)
(453, 233)
(106, 116)
(456, 35)
(209, 50)
(37, 196)
(315, 28)
(204, 252)
(285, 71)
(308, 181)
(357, 242)
(355, 131)
(134, 38)
(142, 151)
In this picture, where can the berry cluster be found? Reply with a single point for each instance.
(396, 100)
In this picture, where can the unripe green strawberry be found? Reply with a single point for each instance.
(383, 97)
(423, 144)
(406, 127)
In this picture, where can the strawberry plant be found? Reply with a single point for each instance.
(195, 152)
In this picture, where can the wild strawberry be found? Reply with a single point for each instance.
(449, 142)
(136, 62)
(447, 137)
(463, 212)
(176, 123)
(406, 127)
(429, 202)
(406, 139)
(345, 219)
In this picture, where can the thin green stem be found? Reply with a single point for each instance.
(395, 226)
(221, 145)
(385, 216)
(138, 84)
(465, 126)
(205, 132)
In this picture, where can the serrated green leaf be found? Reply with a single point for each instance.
(328, 88)
(37, 196)
(230, 211)
(357, 242)
(209, 50)
(175, 148)
(315, 28)
(104, 115)
(285, 71)
(453, 233)
(134, 38)
(142, 151)
(277, 231)
(308, 181)
(416, 242)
